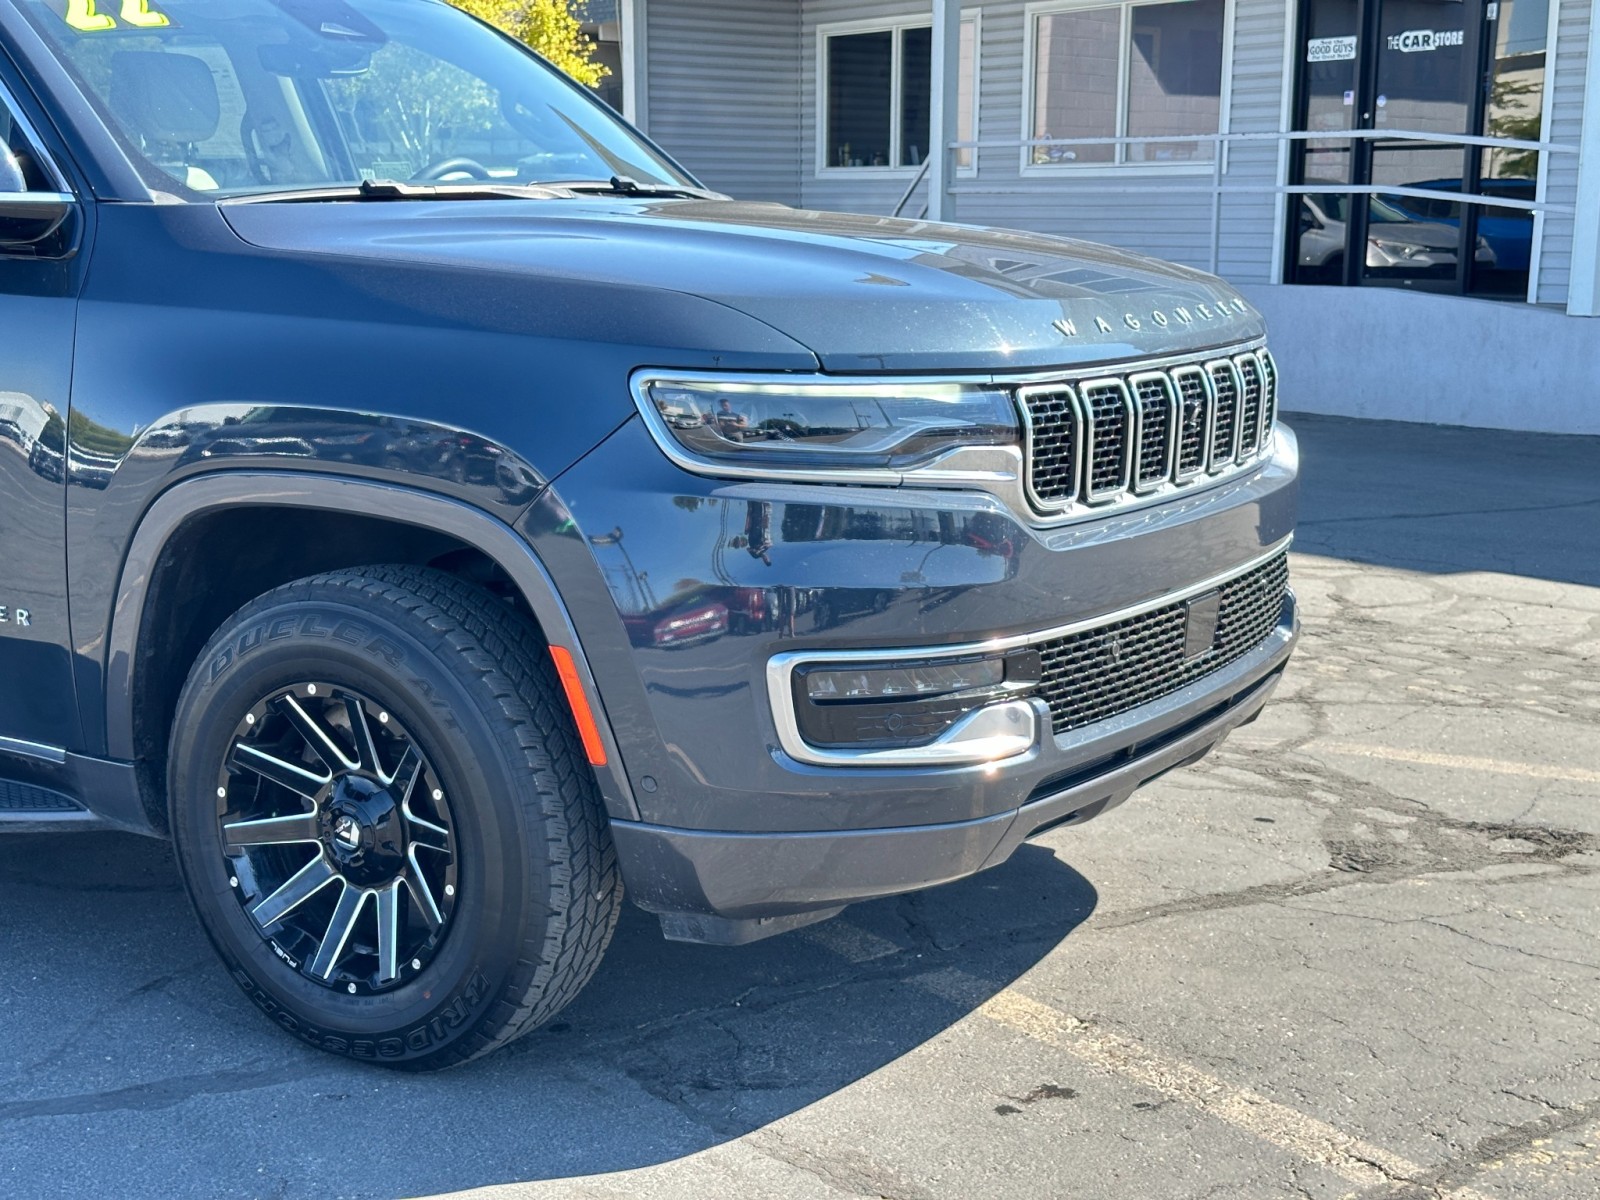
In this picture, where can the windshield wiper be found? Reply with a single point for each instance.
(623, 185)
(395, 189)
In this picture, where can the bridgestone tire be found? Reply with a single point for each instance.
(470, 680)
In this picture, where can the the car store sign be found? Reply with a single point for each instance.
(1414, 41)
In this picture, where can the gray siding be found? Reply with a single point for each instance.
(1566, 127)
(1160, 213)
(723, 92)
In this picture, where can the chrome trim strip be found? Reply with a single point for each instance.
(52, 754)
(780, 668)
(36, 144)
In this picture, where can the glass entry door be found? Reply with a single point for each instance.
(1449, 67)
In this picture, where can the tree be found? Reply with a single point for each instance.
(550, 27)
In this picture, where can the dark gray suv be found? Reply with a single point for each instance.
(437, 513)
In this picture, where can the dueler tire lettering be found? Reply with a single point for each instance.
(471, 682)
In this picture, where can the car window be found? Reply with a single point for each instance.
(226, 97)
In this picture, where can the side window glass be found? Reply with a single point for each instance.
(20, 168)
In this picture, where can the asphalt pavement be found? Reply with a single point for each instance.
(1353, 954)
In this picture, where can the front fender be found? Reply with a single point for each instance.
(475, 528)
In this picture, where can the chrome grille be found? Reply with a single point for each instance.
(1154, 400)
(1224, 433)
(1269, 395)
(1114, 438)
(1194, 414)
(1056, 436)
(1098, 673)
(1107, 404)
(1250, 406)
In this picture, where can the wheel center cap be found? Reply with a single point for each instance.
(347, 831)
(364, 831)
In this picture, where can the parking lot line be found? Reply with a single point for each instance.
(1305, 1137)
(1458, 762)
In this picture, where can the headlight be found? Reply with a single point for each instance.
(806, 427)
(1398, 249)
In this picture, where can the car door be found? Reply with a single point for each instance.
(40, 239)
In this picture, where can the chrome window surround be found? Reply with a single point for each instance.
(977, 739)
(63, 192)
(1001, 471)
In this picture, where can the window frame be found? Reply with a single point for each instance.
(48, 166)
(894, 26)
(1030, 83)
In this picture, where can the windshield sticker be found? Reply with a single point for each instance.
(1330, 49)
(85, 16)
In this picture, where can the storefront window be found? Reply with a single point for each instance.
(1128, 70)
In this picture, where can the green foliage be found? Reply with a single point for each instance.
(1514, 112)
(550, 27)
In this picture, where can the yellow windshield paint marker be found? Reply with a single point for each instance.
(81, 15)
(137, 12)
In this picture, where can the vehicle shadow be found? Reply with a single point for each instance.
(1446, 499)
(117, 1013)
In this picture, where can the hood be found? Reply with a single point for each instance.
(862, 293)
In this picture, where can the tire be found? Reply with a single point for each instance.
(465, 825)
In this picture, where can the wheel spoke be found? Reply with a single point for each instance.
(316, 735)
(422, 894)
(286, 774)
(389, 933)
(361, 730)
(405, 775)
(300, 887)
(343, 923)
(270, 831)
(425, 835)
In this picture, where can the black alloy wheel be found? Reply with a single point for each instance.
(337, 837)
(385, 819)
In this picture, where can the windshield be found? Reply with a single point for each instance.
(229, 97)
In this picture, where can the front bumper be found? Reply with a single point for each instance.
(719, 826)
(736, 887)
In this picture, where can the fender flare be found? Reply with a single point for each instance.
(267, 489)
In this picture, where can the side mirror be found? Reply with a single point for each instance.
(40, 222)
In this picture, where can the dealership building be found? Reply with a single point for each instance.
(1409, 190)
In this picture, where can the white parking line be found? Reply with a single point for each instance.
(1305, 1137)
(1458, 762)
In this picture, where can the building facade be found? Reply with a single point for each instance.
(1408, 189)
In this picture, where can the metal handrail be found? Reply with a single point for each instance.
(1293, 135)
(1219, 186)
(922, 174)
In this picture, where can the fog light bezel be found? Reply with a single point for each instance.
(972, 725)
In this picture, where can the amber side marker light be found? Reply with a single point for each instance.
(588, 730)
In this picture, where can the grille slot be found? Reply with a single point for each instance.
(1107, 404)
(1096, 674)
(1055, 433)
(1250, 405)
(1113, 439)
(1269, 396)
(1194, 415)
(1154, 403)
(1224, 443)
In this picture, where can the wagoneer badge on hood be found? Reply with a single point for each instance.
(1219, 310)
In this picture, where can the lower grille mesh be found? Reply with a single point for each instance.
(1098, 673)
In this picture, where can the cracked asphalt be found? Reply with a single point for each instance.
(1353, 954)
